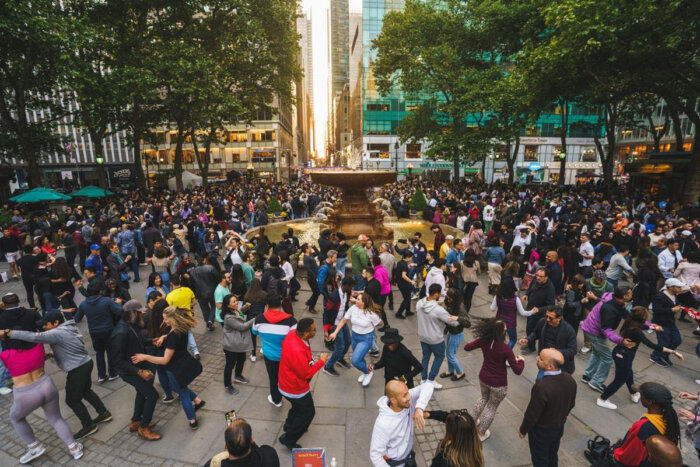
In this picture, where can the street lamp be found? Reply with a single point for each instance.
(144, 156)
(250, 169)
(396, 148)
(100, 160)
(409, 167)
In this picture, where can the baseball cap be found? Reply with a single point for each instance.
(687, 233)
(362, 237)
(50, 317)
(94, 246)
(673, 282)
(132, 305)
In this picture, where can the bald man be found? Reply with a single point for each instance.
(400, 411)
(551, 400)
(661, 452)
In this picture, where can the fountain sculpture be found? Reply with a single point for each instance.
(355, 214)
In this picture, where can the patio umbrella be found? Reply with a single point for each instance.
(92, 191)
(38, 194)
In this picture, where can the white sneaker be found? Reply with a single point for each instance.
(367, 378)
(507, 363)
(435, 384)
(32, 453)
(5, 391)
(697, 381)
(77, 452)
(485, 436)
(585, 349)
(635, 397)
(253, 358)
(606, 404)
(269, 399)
(361, 379)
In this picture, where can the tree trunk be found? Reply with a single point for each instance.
(136, 143)
(564, 106)
(511, 158)
(99, 153)
(32, 161)
(483, 169)
(177, 167)
(455, 168)
(207, 156)
(656, 135)
(677, 130)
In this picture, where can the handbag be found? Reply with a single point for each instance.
(186, 369)
(599, 452)
(527, 280)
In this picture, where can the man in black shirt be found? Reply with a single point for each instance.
(552, 332)
(10, 246)
(405, 284)
(27, 264)
(241, 449)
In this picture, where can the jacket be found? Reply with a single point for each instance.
(565, 342)
(460, 311)
(436, 276)
(358, 258)
(126, 239)
(272, 327)
(382, 276)
(661, 306)
(20, 319)
(296, 366)
(539, 295)
(236, 334)
(591, 324)
(399, 363)
(100, 312)
(123, 344)
(203, 281)
(431, 317)
(66, 343)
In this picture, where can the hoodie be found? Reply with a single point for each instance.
(100, 312)
(392, 435)
(430, 319)
(436, 276)
(66, 343)
(273, 326)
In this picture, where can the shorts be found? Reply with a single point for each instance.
(13, 257)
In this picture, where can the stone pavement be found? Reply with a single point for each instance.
(345, 412)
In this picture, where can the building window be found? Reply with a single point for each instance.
(378, 151)
(501, 153)
(237, 137)
(547, 129)
(532, 131)
(665, 147)
(413, 151)
(588, 154)
(640, 150)
(624, 151)
(531, 153)
(267, 135)
(687, 147)
(378, 107)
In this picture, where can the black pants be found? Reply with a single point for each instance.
(544, 446)
(146, 398)
(294, 288)
(469, 289)
(233, 360)
(29, 288)
(623, 358)
(273, 370)
(391, 300)
(70, 259)
(207, 306)
(100, 342)
(530, 325)
(382, 302)
(572, 319)
(315, 292)
(299, 418)
(83, 252)
(79, 387)
(405, 306)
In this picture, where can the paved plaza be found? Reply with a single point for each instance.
(345, 412)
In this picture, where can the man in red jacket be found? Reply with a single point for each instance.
(296, 370)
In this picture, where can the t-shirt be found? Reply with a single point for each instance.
(177, 342)
(401, 267)
(586, 249)
(180, 297)
(219, 295)
(363, 322)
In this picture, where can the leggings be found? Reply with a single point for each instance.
(485, 409)
(233, 360)
(26, 399)
(623, 358)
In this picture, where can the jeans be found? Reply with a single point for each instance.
(4, 374)
(340, 265)
(233, 360)
(299, 418)
(207, 305)
(79, 387)
(512, 337)
(146, 398)
(100, 342)
(273, 369)
(163, 375)
(315, 292)
(454, 341)
(405, 306)
(428, 349)
(601, 359)
(670, 338)
(359, 282)
(191, 343)
(133, 264)
(342, 344)
(361, 343)
(544, 446)
(623, 358)
(187, 396)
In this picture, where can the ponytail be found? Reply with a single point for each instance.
(673, 429)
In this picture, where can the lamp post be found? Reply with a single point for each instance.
(144, 156)
(396, 150)
(70, 147)
(562, 156)
(409, 167)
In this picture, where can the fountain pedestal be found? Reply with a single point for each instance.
(354, 214)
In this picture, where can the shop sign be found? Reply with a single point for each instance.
(262, 155)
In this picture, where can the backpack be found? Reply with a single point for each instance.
(276, 285)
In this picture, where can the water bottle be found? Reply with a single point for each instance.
(334, 463)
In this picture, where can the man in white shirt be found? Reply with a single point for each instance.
(488, 217)
(669, 258)
(586, 251)
(400, 411)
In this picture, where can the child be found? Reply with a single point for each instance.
(400, 363)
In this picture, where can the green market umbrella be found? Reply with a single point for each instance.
(92, 191)
(39, 194)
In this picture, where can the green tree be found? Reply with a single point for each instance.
(33, 59)
(418, 201)
(274, 205)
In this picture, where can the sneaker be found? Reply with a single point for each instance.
(343, 364)
(485, 436)
(197, 356)
(5, 391)
(585, 379)
(199, 406)
(661, 363)
(330, 371)
(32, 453)
(231, 390)
(112, 378)
(102, 379)
(697, 332)
(361, 378)
(595, 387)
(415, 296)
(607, 404)
(367, 378)
(105, 416)
(241, 379)
(77, 451)
(269, 399)
(585, 349)
(86, 431)
(398, 316)
(697, 381)
(409, 313)
(253, 358)
(194, 425)
(168, 399)
(374, 353)
(210, 326)
(635, 397)
(436, 385)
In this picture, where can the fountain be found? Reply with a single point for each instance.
(354, 214)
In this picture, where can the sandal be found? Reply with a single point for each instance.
(457, 378)
(446, 375)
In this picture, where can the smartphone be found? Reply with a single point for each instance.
(403, 240)
(230, 417)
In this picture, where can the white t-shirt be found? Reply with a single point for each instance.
(363, 322)
(586, 249)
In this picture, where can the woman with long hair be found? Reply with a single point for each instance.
(454, 335)
(645, 282)
(470, 276)
(576, 300)
(364, 316)
(62, 288)
(632, 331)
(181, 321)
(661, 419)
(454, 280)
(238, 287)
(161, 262)
(256, 298)
(236, 341)
(507, 306)
(156, 284)
(155, 329)
(461, 446)
(493, 378)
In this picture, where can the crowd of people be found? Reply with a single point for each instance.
(591, 272)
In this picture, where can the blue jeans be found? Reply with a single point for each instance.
(342, 344)
(133, 264)
(670, 338)
(340, 265)
(428, 349)
(512, 337)
(613, 282)
(187, 396)
(191, 343)
(4, 374)
(601, 359)
(361, 344)
(359, 282)
(454, 341)
(163, 375)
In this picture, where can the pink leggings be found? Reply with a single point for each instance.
(26, 399)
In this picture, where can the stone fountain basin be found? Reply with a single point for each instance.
(353, 179)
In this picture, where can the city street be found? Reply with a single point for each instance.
(345, 412)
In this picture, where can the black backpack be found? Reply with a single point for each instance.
(600, 452)
(276, 285)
